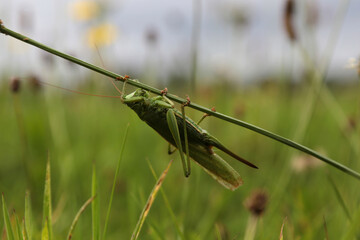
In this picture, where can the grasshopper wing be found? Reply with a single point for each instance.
(217, 167)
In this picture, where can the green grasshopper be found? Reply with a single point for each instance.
(159, 113)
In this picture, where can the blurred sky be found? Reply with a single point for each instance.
(153, 38)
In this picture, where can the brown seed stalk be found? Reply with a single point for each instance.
(257, 202)
(289, 15)
(15, 85)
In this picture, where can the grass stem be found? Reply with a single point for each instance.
(114, 183)
(77, 216)
(149, 203)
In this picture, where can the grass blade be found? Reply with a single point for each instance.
(154, 232)
(8, 227)
(168, 206)
(217, 232)
(281, 237)
(45, 231)
(47, 210)
(27, 218)
(326, 230)
(352, 232)
(95, 208)
(149, 203)
(114, 183)
(250, 230)
(25, 233)
(340, 198)
(77, 216)
(18, 228)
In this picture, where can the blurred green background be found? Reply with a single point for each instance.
(78, 131)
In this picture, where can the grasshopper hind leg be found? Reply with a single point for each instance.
(174, 129)
(185, 132)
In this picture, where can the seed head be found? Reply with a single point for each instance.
(151, 36)
(15, 84)
(312, 13)
(48, 59)
(289, 14)
(239, 110)
(257, 202)
(34, 83)
(352, 123)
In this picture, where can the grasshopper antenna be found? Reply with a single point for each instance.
(78, 92)
(112, 82)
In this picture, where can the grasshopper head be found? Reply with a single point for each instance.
(137, 100)
(138, 93)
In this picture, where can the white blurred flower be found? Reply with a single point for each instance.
(303, 162)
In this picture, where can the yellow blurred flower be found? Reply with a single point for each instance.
(84, 10)
(352, 63)
(101, 35)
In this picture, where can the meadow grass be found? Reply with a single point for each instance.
(83, 134)
(303, 197)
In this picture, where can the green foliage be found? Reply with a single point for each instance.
(78, 130)
(8, 227)
(46, 232)
(27, 218)
(95, 207)
(18, 229)
(149, 203)
(77, 217)
(114, 183)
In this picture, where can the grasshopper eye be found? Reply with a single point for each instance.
(138, 93)
(141, 93)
